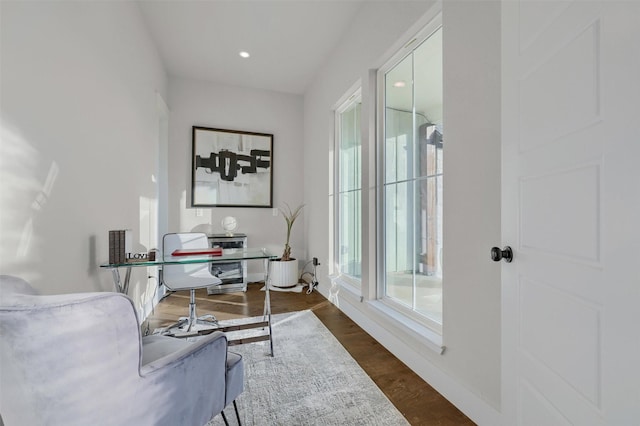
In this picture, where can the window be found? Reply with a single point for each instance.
(411, 173)
(348, 238)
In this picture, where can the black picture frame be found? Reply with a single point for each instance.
(231, 168)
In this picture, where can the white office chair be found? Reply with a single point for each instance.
(188, 277)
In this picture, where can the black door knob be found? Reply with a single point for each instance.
(506, 254)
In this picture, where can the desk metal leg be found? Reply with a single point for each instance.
(122, 287)
(267, 302)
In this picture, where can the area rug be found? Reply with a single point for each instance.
(311, 380)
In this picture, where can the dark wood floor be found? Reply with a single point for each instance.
(415, 399)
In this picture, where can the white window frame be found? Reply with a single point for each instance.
(392, 308)
(347, 282)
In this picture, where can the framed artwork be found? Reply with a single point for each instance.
(231, 168)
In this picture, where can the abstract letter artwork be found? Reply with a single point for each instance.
(231, 168)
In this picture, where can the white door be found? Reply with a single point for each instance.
(571, 212)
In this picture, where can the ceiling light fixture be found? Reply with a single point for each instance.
(244, 54)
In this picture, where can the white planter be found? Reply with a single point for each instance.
(283, 274)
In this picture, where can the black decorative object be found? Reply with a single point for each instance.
(505, 254)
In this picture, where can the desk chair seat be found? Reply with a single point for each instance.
(188, 277)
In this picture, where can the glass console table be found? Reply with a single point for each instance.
(228, 255)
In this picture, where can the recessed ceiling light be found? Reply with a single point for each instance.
(399, 84)
(244, 54)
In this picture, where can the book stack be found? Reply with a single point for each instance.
(120, 243)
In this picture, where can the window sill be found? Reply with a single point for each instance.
(431, 338)
(410, 331)
(347, 283)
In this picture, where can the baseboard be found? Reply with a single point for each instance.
(255, 277)
(466, 401)
(150, 305)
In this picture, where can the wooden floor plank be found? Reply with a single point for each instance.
(415, 399)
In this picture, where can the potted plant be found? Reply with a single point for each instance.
(284, 271)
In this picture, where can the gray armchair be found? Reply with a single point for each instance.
(79, 359)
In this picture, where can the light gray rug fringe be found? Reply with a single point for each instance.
(312, 380)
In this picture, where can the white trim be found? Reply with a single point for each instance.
(414, 31)
(147, 308)
(354, 90)
(430, 24)
(414, 333)
(162, 179)
(402, 311)
(410, 350)
(348, 283)
(428, 29)
(432, 339)
(344, 286)
(349, 98)
(255, 277)
(369, 127)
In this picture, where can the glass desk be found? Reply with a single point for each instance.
(227, 256)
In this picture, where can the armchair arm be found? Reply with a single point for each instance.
(161, 351)
(183, 381)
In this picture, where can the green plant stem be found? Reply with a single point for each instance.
(290, 217)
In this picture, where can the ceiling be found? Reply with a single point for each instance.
(289, 41)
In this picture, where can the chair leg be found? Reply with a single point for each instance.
(188, 323)
(192, 309)
(235, 407)
(224, 418)
(181, 322)
(193, 317)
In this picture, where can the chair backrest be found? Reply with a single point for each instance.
(184, 240)
(64, 356)
(180, 277)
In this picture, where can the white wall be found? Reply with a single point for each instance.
(195, 103)
(79, 140)
(472, 194)
(468, 373)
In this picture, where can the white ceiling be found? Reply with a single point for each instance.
(289, 41)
